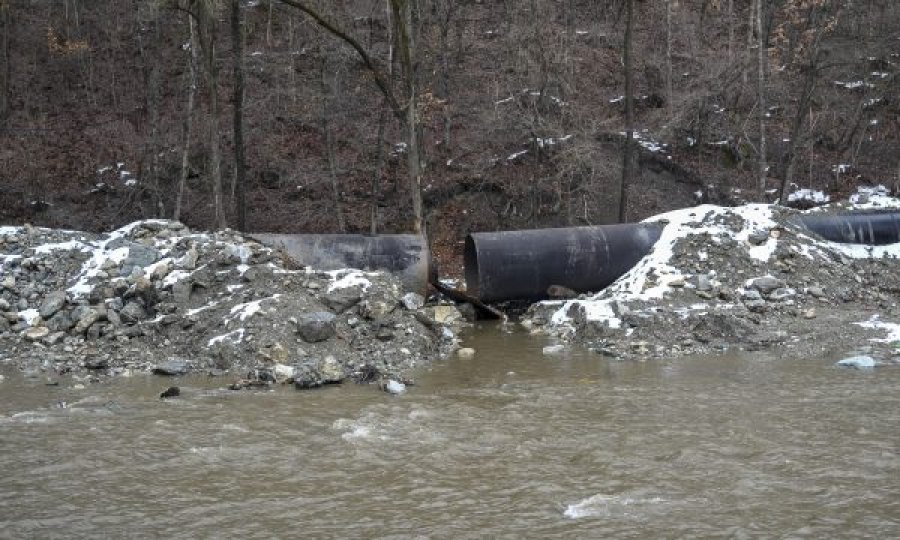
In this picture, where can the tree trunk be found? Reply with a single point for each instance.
(403, 11)
(208, 41)
(627, 160)
(730, 31)
(240, 167)
(669, 92)
(761, 100)
(376, 174)
(329, 142)
(5, 69)
(809, 83)
(188, 119)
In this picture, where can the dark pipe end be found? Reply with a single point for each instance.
(470, 264)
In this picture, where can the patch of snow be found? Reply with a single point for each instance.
(550, 141)
(235, 336)
(30, 316)
(852, 85)
(875, 323)
(841, 168)
(516, 155)
(248, 309)
(808, 195)
(346, 278)
(873, 197)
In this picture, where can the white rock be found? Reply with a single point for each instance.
(394, 387)
(554, 349)
(283, 372)
(465, 352)
(857, 362)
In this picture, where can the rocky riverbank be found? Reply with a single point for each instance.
(156, 297)
(748, 277)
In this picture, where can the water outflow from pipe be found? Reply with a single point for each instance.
(522, 265)
(404, 255)
(871, 228)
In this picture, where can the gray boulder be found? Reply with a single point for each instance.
(340, 300)
(132, 313)
(88, 317)
(60, 322)
(315, 327)
(172, 367)
(767, 284)
(319, 373)
(52, 303)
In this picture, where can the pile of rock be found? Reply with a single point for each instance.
(156, 296)
(725, 277)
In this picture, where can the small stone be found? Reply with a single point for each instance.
(170, 392)
(283, 372)
(88, 317)
(52, 303)
(36, 333)
(809, 313)
(340, 300)
(781, 294)
(189, 260)
(677, 282)
(703, 283)
(412, 301)
(172, 367)
(767, 284)
(758, 238)
(54, 338)
(756, 306)
(132, 313)
(394, 387)
(96, 362)
(445, 314)
(466, 352)
(816, 292)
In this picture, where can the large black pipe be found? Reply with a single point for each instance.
(405, 255)
(522, 265)
(871, 228)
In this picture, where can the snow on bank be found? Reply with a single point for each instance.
(753, 231)
(893, 329)
(654, 275)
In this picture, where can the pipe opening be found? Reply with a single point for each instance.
(470, 265)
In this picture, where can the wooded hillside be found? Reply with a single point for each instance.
(518, 113)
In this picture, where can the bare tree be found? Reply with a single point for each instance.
(762, 45)
(5, 70)
(628, 154)
(188, 122)
(405, 25)
(240, 167)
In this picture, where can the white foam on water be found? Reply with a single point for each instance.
(603, 505)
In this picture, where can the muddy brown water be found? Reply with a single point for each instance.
(508, 444)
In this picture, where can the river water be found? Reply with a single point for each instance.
(508, 444)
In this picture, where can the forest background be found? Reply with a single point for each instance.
(380, 116)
